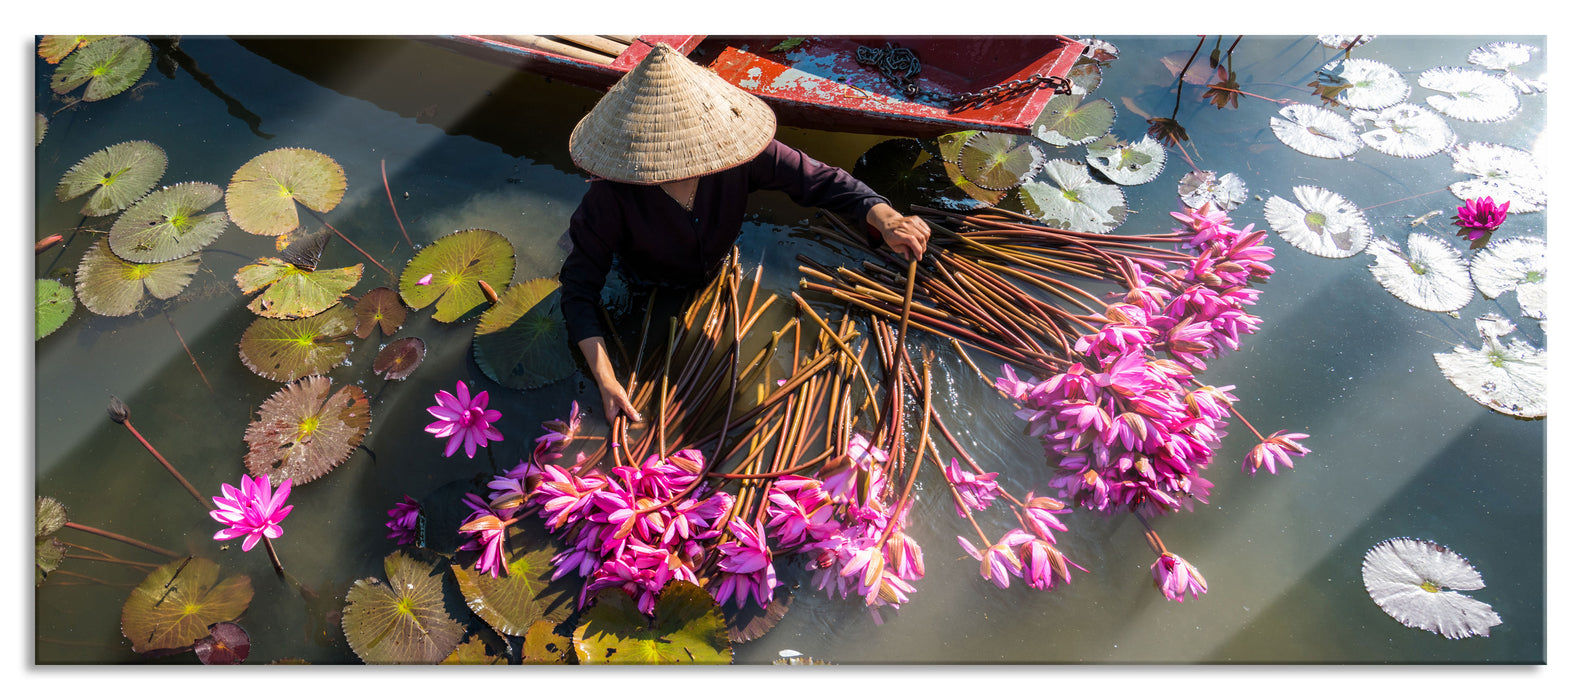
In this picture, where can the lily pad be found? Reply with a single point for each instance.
(174, 606)
(1501, 173)
(54, 47)
(1128, 163)
(1374, 85)
(513, 603)
(1405, 131)
(1415, 582)
(49, 518)
(1509, 377)
(458, 262)
(521, 341)
(110, 286)
(402, 620)
(286, 350)
(303, 431)
(1515, 263)
(52, 306)
(1344, 41)
(1471, 95)
(263, 195)
(108, 66)
(1430, 274)
(949, 150)
(999, 162)
(1068, 120)
(474, 652)
(168, 224)
(543, 646)
(379, 308)
(292, 292)
(904, 170)
(1067, 197)
(1503, 56)
(113, 178)
(40, 126)
(1315, 131)
(1319, 222)
(687, 628)
(400, 359)
(1200, 187)
(227, 644)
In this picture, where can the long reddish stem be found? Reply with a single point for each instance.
(161, 551)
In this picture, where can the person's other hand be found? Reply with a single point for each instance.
(906, 235)
(617, 404)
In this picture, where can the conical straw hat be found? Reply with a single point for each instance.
(670, 119)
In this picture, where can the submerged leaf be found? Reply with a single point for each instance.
(996, 161)
(1414, 581)
(1372, 84)
(1320, 222)
(379, 308)
(168, 224)
(1405, 131)
(687, 628)
(174, 606)
(1067, 197)
(521, 341)
(264, 192)
(303, 431)
(1473, 96)
(52, 306)
(1130, 163)
(404, 620)
(1430, 275)
(1514, 263)
(109, 66)
(293, 292)
(1315, 131)
(455, 264)
(285, 350)
(400, 359)
(110, 286)
(1068, 120)
(1501, 173)
(1509, 377)
(116, 176)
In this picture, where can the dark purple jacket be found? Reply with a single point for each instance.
(659, 241)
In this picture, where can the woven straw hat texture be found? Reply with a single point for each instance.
(669, 119)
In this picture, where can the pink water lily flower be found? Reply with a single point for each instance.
(1275, 450)
(1175, 577)
(1479, 217)
(426, 280)
(465, 419)
(251, 511)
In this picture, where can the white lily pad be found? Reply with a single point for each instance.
(1515, 264)
(1405, 131)
(1342, 41)
(1502, 173)
(1430, 275)
(1509, 377)
(1000, 162)
(1504, 56)
(1199, 187)
(1320, 222)
(1315, 131)
(1068, 120)
(1414, 581)
(1471, 95)
(1067, 197)
(1128, 163)
(1374, 85)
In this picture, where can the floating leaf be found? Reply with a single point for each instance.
(949, 150)
(52, 306)
(521, 341)
(1503, 56)
(458, 262)
(1405, 131)
(543, 646)
(117, 176)
(1502, 173)
(263, 195)
(1430, 275)
(1067, 197)
(303, 431)
(109, 66)
(49, 517)
(1514, 263)
(1414, 581)
(1473, 96)
(749, 622)
(1068, 120)
(1509, 377)
(999, 162)
(292, 292)
(48, 553)
(110, 286)
(1344, 41)
(379, 308)
(53, 48)
(1315, 131)
(40, 126)
(474, 653)
(168, 224)
(1373, 85)
(1320, 222)
(687, 628)
(174, 606)
(512, 603)
(403, 621)
(227, 644)
(400, 359)
(1199, 187)
(285, 350)
(1128, 164)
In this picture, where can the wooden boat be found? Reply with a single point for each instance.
(830, 83)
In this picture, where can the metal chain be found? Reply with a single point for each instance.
(900, 66)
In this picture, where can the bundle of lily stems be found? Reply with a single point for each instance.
(782, 449)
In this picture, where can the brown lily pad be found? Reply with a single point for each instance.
(303, 431)
(173, 607)
(402, 620)
(400, 359)
(381, 307)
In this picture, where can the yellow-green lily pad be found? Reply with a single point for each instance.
(303, 431)
(284, 350)
(521, 341)
(263, 195)
(402, 620)
(168, 224)
(687, 628)
(474, 653)
(110, 286)
(53, 305)
(293, 292)
(54, 47)
(108, 66)
(511, 604)
(113, 177)
(451, 269)
(175, 605)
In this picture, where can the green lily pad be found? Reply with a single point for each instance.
(48, 553)
(474, 652)
(1069, 121)
(175, 605)
(263, 195)
(381, 307)
(49, 518)
(54, 47)
(687, 628)
(1128, 163)
(454, 265)
(110, 286)
(168, 224)
(949, 150)
(53, 305)
(512, 603)
(115, 176)
(521, 341)
(285, 350)
(108, 66)
(543, 646)
(293, 292)
(303, 431)
(40, 126)
(400, 359)
(999, 162)
(404, 620)
(1068, 197)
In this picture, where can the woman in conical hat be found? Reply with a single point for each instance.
(675, 149)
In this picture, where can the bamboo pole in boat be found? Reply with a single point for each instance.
(546, 44)
(595, 43)
(622, 38)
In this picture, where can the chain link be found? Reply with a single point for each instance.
(900, 66)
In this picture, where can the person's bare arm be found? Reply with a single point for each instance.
(906, 235)
(610, 389)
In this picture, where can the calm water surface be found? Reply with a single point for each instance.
(1396, 449)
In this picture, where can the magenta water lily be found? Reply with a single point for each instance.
(251, 511)
(1479, 217)
(465, 419)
